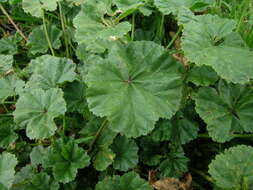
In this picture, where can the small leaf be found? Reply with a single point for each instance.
(37, 155)
(36, 7)
(66, 158)
(136, 85)
(129, 181)
(7, 134)
(233, 168)
(5, 64)
(8, 45)
(103, 159)
(126, 152)
(94, 31)
(36, 109)
(202, 76)
(38, 42)
(10, 86)
(175, 164)
(8, 163)
(50, 71)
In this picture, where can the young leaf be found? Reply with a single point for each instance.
(66, 158)
(103, 159)
(136, 85)
(8, 163)
(36, 109)
(36, 7)
(226, 110)
(126, 152)
(41, 181)
(75, 96)
(38, 42)
(50, 71)
(5, 64)
(37, 155)
(233, 168)
(175, 164)
(8, 45)
(129, 181)
(94, 31)
(202, 76)
(7, 134)
(207, 41)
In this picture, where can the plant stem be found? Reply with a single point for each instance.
(97, 134)
(13, 23)
(175, 37)
(46, 34)
(206, 177)
(133, 27)
(161, 28)
(64, 29)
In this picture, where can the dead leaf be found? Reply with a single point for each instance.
(170, 183)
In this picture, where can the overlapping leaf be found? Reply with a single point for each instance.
(38, 42)
(210, 40)
(129, 181)
(7, 134)
(233, 169)
(8, 163)
(226, 110)
(49, 71)
(126, 152)
(36, 109)
(94, 30)
(134, 87)
(36, 7)
(5, 64)
(103, 159)
(10, 86)
(66, 158)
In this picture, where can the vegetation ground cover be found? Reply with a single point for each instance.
(126, 94)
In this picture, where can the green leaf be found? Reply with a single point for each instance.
(41, 181)
(8, 163)
(94, 31)
(225, 110)
(10, 86)
(36, 7)
(161, 131)
(36, 109)
(176, 6)
(22, 176)
(175, 164)
(129, 181)
(103, 159)
(75, 96)
(202, 76)
(8, 45)
(38, 42)
(125, 5)
(5, 64)
(210, 40)
(233, 168)
(7, 134)
(37, 155)
(126, 152)
(136, 85)
(66, 158)
(50, 71)
(151, 151)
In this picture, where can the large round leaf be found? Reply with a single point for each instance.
(210, 40)
(134, 87)
(233, 169)
(129, 181)
(37, 109)
(226, 110)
